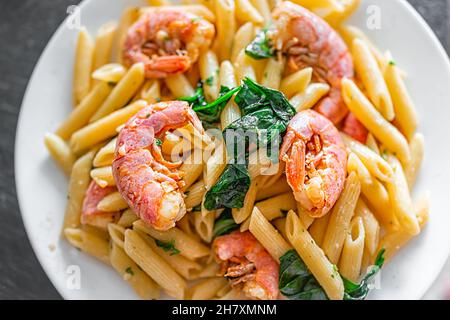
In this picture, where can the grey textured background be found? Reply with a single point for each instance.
(25, 28)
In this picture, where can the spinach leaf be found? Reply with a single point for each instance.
(225, 224)
(230, 190)
(296, 282)
(261, 47)
(354, 291)
(209, 113)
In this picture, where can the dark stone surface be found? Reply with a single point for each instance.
(25, 28)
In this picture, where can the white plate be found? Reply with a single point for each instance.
(41, 187)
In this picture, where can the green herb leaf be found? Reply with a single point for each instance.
(158, 142)
(230, 190)
(224, 224)
(197, 208)
(296, 282)
(261, 47)
(392, 63)
(354, 291)
(168, 246)
(209, 81)
(129, 270)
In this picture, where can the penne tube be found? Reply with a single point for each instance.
(340, 217)
(78, 185)
(192, 169)
(182, 265)
(241, 214)
(246, 12)
(196, 9)
(401, 200)
(352, 253)
(245, 225)
(263, 8)
(227, 78)
(376, 165)
(103, 44)
(88, 243)
(267, 235)
(244, 67)
(243, 37)
(60, 152)
(189, 247)
(273, 72)
(194, 195)
(83, 65)
(104, 128)
(364, 111)
(304, 216)
(319, 228)
(309, 97)
(80, 116)
(152, 92)
(179, 86)
(417, 149)
(314, 258)
(113, 202)
(129, 16)
(204, 225)
(141, 283)
(117, 234)
(155, 266)
(406, 118)
(105, 155)
(122, 92)
(372, 189)
(336, 17)
(209, 73)
(226, 27)
(367, 68)
(280, 224)
(127, 218)
(372, 144)
(207, 289)
(111, 73)
(279, 187)
(296, 82)
(215, 165)
(103, 176)
(277, 206)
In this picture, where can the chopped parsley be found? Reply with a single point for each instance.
(168, 246)
(158, 142)
(209, 81)
(129, 270)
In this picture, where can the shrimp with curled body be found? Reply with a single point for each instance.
(316, 161)
(167, 41)
(248, 265)
(150, 184)
(309, 41)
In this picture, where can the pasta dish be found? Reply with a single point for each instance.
(240, 149)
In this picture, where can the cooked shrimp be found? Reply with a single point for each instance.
(316, 161)
(355, 129)
(167, 41)
(310, 41)
(89, 213)
(245, 261)
(150, 184)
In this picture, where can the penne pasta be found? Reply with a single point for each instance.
(364, 111)
(179, 86)
(194, 195)
(304, 216)
(246, 12)
(406, 118)
(279, 187)
(225, 26)
(204, 225)
(88, 243)
(104, 128)
(192, 168)
(243, 67)
(231, 111)
(215, 165)
(142, 284)
(189, 247)
(155, 266)
(83, 65)
(309, 97)
(417, 149)
(277, 206)
(78, 185)
(122, 92)
(241, 214)
(110, 73)
(103, 176)
(207, 288)
(296, 82)
(80, 116)
(272, 73)
(400, 198)
(105, 155)
(60, 152)
(263, 8)
(340, 217)
(371, 227)
(352, 252)
(243, 37)
(112, 203)
(318, 229)
(103, 44)
(127, 218)
(129, 16)
(372, 144)
(267, 235)
(209, 73)
(314, 258)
